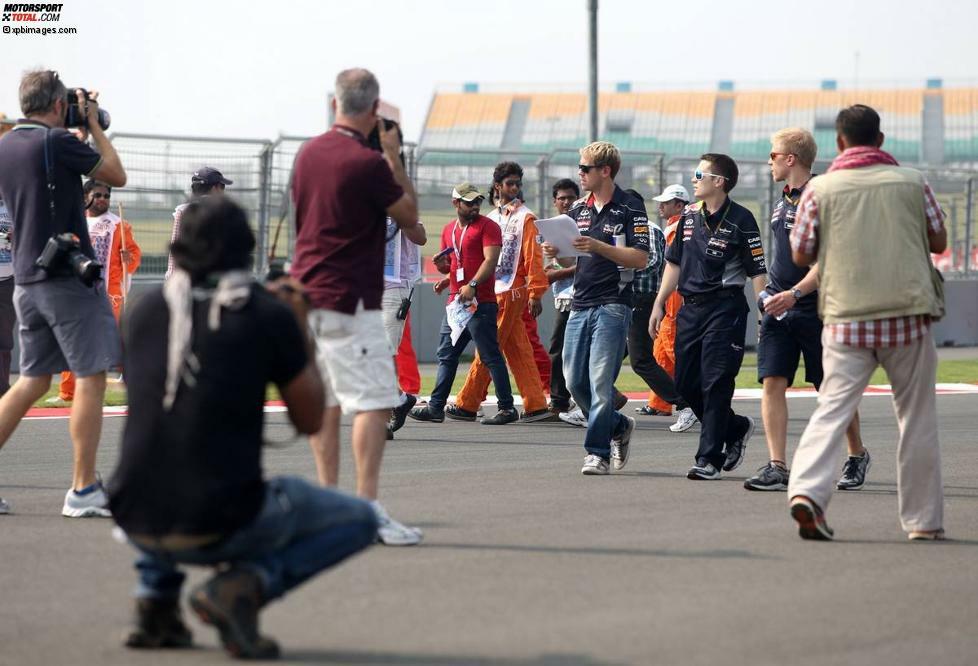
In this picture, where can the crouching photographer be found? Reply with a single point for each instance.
(200, 352)
(66, 322)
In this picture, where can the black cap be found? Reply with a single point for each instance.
(209, 176)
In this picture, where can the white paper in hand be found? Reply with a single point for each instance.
(458, 314)
(560, 232)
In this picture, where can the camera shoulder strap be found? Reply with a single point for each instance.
(49, 173)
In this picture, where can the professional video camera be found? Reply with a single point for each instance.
(78, 116)
(62, 255)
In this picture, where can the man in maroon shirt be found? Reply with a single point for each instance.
(343, 192)
(472, 243)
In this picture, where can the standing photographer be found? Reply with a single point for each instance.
(65, 318)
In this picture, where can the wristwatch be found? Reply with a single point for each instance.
(473, 284)
(796, 293)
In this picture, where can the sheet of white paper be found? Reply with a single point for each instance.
(560, 232)
(458, 315)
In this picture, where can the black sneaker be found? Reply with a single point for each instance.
(645, 410)
(703, 471)
(737, 448)
(230, 602)
(810, 519)
(620, 400)
(502, 417)
(399, 414)
(769, 477)
(158, 625)
(456, 413)
(854, 472)
(426, 413)
(540, 416)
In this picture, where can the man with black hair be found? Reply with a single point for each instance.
(200, 352)
(871, 225)
(565, 192)
(118, 252)
(520, 284)
(717, 250)
(205, 182)
(64, 323)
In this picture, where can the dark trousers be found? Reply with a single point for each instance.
(709, 350)
(481, 329)
(640, 352)
(559, 394)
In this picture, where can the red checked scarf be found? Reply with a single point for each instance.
(861, 156)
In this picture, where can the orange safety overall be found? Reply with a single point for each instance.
(664, 348)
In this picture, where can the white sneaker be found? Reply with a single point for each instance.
(4, 507)
(56, 401)
(392, 533)
(575, 418)
(594, 465)
(620, 445)
(91, 505)
(687, 419)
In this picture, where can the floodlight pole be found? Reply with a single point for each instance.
(592, 97)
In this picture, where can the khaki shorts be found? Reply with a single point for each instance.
(355, 360)
(389, 307)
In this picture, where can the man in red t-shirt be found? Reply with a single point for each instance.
(343, 193)
(473, 243)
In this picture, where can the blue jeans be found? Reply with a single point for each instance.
(300, 530)
(482, 330)
(594, 347)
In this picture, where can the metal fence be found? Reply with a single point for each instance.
(160, 167)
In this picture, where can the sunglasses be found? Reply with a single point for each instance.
(774, 156)
(512, 183)
(586, 168)
(699, 175)
(99, 195)
(475, 203)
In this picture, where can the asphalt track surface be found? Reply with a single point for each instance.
(527, 563)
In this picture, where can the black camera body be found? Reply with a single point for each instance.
(62, 255)
(77, 116)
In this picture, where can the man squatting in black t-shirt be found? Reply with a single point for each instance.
(189, 489)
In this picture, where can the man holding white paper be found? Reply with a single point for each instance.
(475, 242)
(614, 230)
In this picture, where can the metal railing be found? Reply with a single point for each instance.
(160, 167)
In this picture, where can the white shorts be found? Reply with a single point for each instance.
(389, 307)
(355, 360)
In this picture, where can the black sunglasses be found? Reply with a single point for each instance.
(586, 168)
(99, 195)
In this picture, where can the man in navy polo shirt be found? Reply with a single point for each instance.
(65, 324)
(717, 247)
(614, 236)
(790, 326)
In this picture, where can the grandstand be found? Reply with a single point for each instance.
(926, 125)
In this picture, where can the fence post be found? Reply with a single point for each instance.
(954, 233)
(969, 210)
(544, 187)
(264, 199)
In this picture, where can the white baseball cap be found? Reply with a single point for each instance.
(673, 192)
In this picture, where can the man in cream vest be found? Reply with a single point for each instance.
(871, 224)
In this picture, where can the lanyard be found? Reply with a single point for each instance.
(706, 219)
(458, 247)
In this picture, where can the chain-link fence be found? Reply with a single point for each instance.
(160, 168)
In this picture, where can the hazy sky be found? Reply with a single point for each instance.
(260, 69)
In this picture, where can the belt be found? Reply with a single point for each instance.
(699, 299)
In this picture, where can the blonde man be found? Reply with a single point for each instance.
(614, 241)
(790, 327)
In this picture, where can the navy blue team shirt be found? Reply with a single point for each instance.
(598, 281)
(718, 251)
